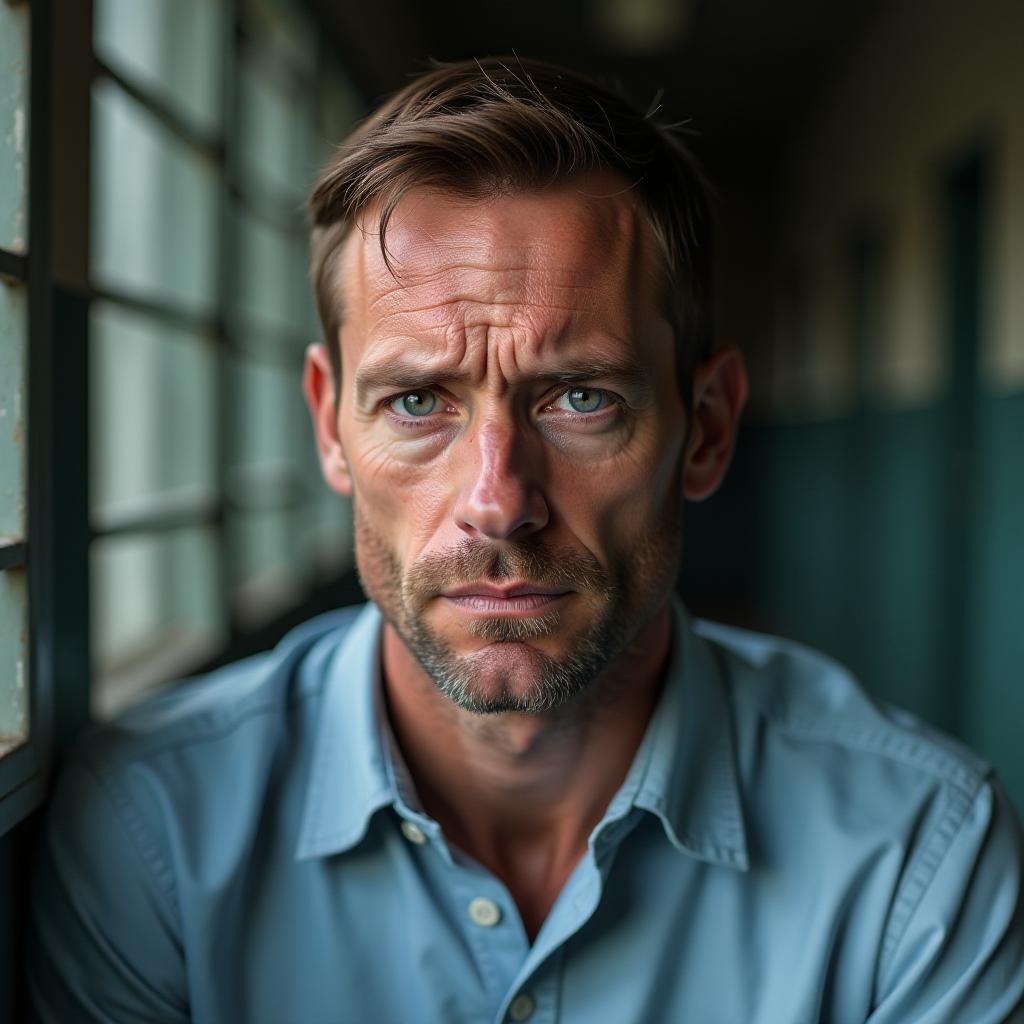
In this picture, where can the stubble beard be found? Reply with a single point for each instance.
(623, 605)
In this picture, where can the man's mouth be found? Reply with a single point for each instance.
(514, 598)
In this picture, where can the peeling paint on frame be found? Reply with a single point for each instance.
(13, 428)
(14, 127)
(14, 703)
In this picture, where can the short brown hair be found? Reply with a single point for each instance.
(506, 125)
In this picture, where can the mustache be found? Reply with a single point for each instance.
(482, 561)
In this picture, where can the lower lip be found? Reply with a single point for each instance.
(525, 604)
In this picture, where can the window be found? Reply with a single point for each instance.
(15, 719)
(208, 513)
(161, 505)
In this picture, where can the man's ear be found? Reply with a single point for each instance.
(318, 385)
(719, 394)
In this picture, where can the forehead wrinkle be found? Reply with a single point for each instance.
(468, 341)
(486, 287)
(541, 311)
(535, 326)
(450, 293)
(394, 365)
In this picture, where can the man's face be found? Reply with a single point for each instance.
(510, 420)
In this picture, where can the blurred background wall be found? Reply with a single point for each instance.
(876, 509)
(869, 166)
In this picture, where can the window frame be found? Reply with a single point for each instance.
(56, 492)
(56, 273)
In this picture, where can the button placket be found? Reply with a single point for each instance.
(534, 996)
(498, 941)
(413, 832)
(521, 1008)
(484, 912)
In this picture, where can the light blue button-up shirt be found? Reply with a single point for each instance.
(250, 848)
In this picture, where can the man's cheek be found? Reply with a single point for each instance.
(404, 506)
(604, 516)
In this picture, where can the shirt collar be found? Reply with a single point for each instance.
(684, 772)
(689, 781)
(349, 778)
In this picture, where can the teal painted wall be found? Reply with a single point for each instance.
(994, 708)
(843, 535)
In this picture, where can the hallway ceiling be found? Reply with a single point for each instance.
(740, 70)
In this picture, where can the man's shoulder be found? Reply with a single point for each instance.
(246, 697)
(808, 700)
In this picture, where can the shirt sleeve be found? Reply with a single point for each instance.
(104, 940)
(955, 947)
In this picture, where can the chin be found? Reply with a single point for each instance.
(509, 677)
(515, 666)
(513, 660)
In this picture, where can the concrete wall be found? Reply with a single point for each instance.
(888, 482)
(929, 81)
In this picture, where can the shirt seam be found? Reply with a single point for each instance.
(918, 752)
(99, 937)
(214, 723)
(146, 847)
(205, 731)
(923, 873)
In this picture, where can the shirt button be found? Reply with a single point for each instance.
(484, 912)
(413, 833)
(521, 1007)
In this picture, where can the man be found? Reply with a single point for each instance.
(522, 784)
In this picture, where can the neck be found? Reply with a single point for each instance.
(522, 793)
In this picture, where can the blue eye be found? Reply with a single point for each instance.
(586, 399)
(415, 403)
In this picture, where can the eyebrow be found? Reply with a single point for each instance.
(405, 374)
(401, 374)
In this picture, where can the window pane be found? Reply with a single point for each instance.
(153, 408)
(13, 126)
(155, 202)
(266, 553)
(170, 48)
(271, 277)
(156, 611)
(276, 132)
(327, 534)
(272, 423)
(13, 660)
(13, 328)
(325, 518)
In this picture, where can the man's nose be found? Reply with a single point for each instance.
(499, 497)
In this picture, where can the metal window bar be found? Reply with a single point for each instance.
(286, 347)
(281, 211)
(160, 514)
(13, 554)
(292, 343)
(209, 147)
(167, 313)
(266, 487)
(13, 266)
(261, 487)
